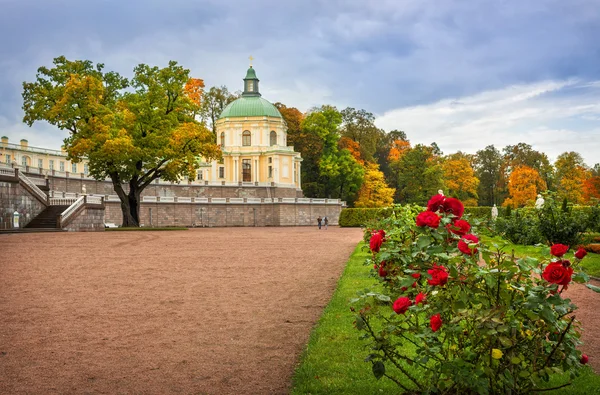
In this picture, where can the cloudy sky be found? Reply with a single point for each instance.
(462, 73)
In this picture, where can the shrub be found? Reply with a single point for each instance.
(441, 321)
(563, 225)
(520, 228)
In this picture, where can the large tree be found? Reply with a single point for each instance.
(213, 103)
(523, 186)
(419, 175)
(523, 154)
(374, 191)
(571, 174)
(359, 125)
(460, 178)
(488, 168)
(132, 132)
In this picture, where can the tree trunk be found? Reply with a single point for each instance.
(130, 202)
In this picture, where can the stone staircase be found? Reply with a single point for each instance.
(47, 219)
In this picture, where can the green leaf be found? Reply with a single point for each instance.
(378, 369)
(515, 360)
(581, 278)
(424, 241)
(360, 323)
(593, 288)
(505, 341)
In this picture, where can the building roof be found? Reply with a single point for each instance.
(251, 106)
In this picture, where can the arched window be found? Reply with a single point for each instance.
(273, 138)
(246, 138)
(222, 139)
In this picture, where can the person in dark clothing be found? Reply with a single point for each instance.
(319, 220)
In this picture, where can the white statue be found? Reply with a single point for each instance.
(83, 190)
(440, 192)
(494, 213)
(539, 203)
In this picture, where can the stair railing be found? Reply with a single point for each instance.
(62, 201)
(31, 186)
(64, 216)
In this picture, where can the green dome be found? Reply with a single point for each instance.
(250, 106)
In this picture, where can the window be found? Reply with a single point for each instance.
(270, 171)
(23, 160)
(246, 138)
(250, 86)
(270, 160)
(273, 137)
(8, 159)
(85, 168)
(222, 139)
(200, 177)
(221, 172)
(51, 164)
(73, 167)
(40, 163)
(246, 170)
(62, 166)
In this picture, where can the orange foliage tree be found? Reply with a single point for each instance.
(591, 188)
(524, 184)
(460, 178)
(374, 191)
(398, 148)
(353, 147)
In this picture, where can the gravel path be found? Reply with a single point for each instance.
(209, 311)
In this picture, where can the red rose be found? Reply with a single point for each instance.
(581, 253)
(557, 273)
(402, 304)
(375, 242)
(435, 202)
(427, 218)
(453, 206)
(559, 250)
(420, 298)
(382, 233)
(584, 359)
(382, 271)
(435, 322)
(463, 246)
(439, 275)
(459, 227)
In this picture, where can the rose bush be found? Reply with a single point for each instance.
(452, 315)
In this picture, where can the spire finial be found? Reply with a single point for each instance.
(251, 59)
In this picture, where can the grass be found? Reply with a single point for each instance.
(142, 229)
(591, 263)
(333, 361)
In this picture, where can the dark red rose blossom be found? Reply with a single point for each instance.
(453, 206)
(584, 359)
(463, 246)
(375, 242)
(427, 218)
(559, 250)
(459, 227)
(557, 273)
(581, 253)
(435, 322)
(382, 233)
(402, 304)
(439, 275)
(420, 298)
(382, 269)
(435, 202)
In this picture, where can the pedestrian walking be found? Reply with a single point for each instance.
(319, 220)
(326, 221)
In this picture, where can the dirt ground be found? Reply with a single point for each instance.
(206, 311)
(209, 311)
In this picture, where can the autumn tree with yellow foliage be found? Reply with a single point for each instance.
(374, 191)
(571, 174)
(524, 184)
(132, 136)
(460, 179)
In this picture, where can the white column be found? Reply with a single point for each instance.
(299, 168)
(276, 178)
(256, 169)
(235, 170)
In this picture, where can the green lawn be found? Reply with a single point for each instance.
(333, 362)
(591, 263)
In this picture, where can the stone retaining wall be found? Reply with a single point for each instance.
(89, 219)
(13, 197)
(208, 215)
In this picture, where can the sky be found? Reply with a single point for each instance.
(462, 73)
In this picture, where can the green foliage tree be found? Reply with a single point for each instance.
(488, 166)
(359, 125)
(213, 103)
(132, 136)
(420, 175)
